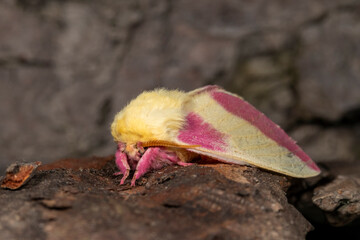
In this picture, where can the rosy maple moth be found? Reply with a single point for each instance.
(164, 127)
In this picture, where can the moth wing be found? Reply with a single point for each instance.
(229, 129)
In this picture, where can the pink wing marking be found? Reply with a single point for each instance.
(199, 132)
(243, 109)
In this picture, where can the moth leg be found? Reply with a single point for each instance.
(144, 164)
(123, 165)
(156, 158)
(172, 156)
(184, 164)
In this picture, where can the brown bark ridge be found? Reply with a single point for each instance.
(82, 199)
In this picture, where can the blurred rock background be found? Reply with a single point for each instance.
(66, 67)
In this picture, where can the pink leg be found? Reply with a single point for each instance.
(184, 164)
(172, 157)
(122, 164)
(155, 158)
(144, 165)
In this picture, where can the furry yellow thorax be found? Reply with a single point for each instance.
(153, 115)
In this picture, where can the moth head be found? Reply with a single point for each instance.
(132, 150)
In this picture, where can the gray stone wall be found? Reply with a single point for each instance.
(66, 67)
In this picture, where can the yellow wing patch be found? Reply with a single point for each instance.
(245, 142)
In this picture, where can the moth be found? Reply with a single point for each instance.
(165, 127)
